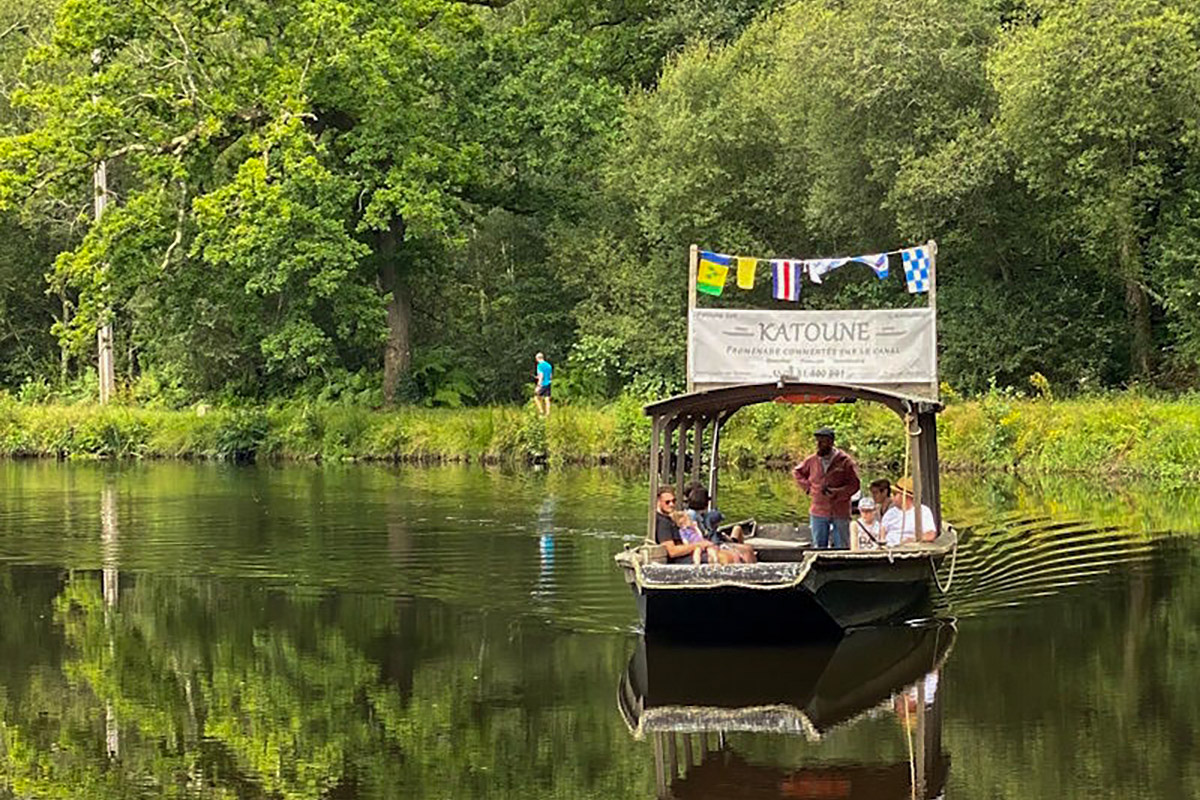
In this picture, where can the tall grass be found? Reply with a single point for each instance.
(1114, 434)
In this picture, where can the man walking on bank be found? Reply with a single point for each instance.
(830, 478)
(541, 392)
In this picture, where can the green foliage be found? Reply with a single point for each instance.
(1126, 434)
(296, 185)
(441, 380)
(240, 435)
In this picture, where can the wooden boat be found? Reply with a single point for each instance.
(687, 699)
(794, 590)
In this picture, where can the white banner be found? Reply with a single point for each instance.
(889, 348)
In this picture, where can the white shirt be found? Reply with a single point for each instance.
(898, 526)
(869, 533)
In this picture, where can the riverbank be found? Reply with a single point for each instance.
(1122, 434)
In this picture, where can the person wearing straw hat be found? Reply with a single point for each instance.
(830, 478)
(899, 523)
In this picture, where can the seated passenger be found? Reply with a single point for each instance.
(666, 532)
(899, 523)
(695, 497)
(708, 519)
(881, 493)
(866, 532)
(689, 533)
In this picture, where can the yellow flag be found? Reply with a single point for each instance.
(710, 278)
(745, 273)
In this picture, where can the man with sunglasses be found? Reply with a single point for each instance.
(666, 532)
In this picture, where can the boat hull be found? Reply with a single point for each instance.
(833, 595)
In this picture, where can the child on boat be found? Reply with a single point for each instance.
(728, 553)
(866, 532)
(690, 533)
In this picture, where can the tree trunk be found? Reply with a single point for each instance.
(1137, 308)
(64, 350)
(397, 351)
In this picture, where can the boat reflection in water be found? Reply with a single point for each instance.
(686, 700)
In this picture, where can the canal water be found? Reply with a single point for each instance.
(212, 631)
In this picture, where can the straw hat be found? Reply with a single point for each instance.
(904, 486)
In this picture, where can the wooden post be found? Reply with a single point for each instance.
(918, 477)
(668, 450)
(654, 470)
(713, 467)
(927, 460)
(693, 267)
(681, 460)
(660, 772)
(697, 444)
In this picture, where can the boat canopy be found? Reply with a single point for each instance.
(685, 435)
(728, 399)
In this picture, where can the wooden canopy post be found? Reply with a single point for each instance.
(668, 450)
(914, 461)
(655, 468)
(697, 445)
(713, 465)
(681, 458)
(927, 461)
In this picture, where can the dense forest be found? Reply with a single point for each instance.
(370, 202)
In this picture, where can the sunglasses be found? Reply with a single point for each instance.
(670, 501)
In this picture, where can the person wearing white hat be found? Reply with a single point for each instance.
(865, 532)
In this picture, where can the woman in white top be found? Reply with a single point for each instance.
(899, 523)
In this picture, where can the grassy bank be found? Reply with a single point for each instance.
(1115, 434)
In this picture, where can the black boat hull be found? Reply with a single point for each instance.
(830, 600)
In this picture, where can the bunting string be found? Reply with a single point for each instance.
(787, 273)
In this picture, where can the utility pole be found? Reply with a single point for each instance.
(104, 336)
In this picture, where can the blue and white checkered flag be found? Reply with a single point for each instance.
(916, 269)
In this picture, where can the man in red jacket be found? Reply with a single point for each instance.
(830, 477)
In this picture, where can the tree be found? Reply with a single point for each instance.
(262, 150)
(1099, 104)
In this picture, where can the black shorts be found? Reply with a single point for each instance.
(542, 391)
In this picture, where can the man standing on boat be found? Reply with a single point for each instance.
(830, 478)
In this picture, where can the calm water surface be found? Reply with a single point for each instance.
(174, 630)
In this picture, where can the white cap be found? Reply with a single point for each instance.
(866, 504)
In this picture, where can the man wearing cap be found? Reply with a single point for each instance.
(899, 523)
(830, 478)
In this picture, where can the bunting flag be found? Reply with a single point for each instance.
(713, 272)
(819, 267)
(916, 269)
(786, 280)
(745, 272)
(877, 262)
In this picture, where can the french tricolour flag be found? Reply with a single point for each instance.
(786, 280)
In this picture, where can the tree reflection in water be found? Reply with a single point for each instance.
(226, 689)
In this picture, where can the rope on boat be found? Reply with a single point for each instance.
(950, 577)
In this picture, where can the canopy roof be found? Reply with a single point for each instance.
(731, 398)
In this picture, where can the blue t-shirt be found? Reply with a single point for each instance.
(544, 369)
